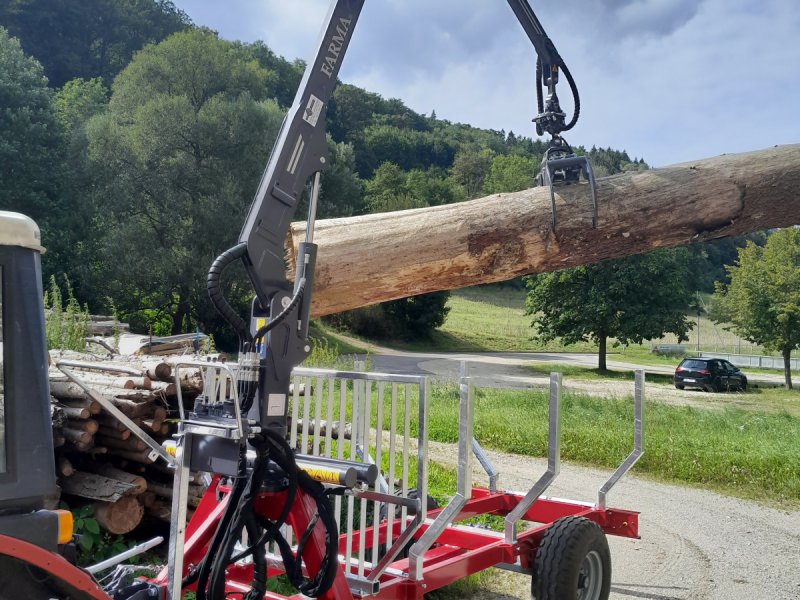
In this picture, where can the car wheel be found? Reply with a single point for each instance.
(680, 386)
(743, 384)
(572, 562)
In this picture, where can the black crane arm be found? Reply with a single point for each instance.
(280, 315)
(300, 151)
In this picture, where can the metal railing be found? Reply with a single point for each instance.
(374, 418)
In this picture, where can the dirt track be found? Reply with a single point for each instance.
(695, 544)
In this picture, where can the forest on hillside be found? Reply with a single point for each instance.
(136, 138)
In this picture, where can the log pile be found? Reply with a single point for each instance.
(98, 459)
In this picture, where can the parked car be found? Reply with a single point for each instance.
(709, 374)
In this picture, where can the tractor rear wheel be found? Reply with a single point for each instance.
(573, 562)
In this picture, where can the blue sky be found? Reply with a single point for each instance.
(667, 80)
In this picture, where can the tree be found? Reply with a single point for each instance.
(631, 299)
(90, 38)
(762, 300)
(177, 156)
(31, 142)
(387, 190)
(76, 253)
(470, 169)
(510, 173)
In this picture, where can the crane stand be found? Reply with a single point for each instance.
(393, 543)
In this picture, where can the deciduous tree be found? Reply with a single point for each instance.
(178, 155)
(31, 142)
(631, 300)
(762, 300)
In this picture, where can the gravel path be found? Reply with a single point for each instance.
(695, 544)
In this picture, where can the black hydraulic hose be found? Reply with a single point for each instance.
(575, 97)
(264, 329)
(215, 290)
(539, 95)
(329, 566)
(201, 575)
(259, 584)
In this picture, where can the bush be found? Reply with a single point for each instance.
(406, 318)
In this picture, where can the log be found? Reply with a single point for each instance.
(87, 425)
(160, 510)
(75, 412)
(120, 517)
(92, 406)
(157, 370)
(95, 487)
(71, 391)
(64, 467)
(138, 482)
(113, 432)
(374, 258)
(76, 436)
(142, 456)
(132, 444)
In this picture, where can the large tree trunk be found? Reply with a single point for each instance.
(374, 258)
(601, 352)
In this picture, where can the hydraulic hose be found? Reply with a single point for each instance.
(263, 330)
(215, 290)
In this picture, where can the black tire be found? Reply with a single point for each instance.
(680, 386)
(572, 562)
(743, 384)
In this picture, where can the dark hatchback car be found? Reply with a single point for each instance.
(709, 374)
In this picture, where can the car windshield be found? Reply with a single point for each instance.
(694, 364)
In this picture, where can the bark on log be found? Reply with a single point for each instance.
(93, 407)
(374, 258)
(87, 425)
(95, 487)
(76, 436)
(113, 432)
(72, 391)
(75, 412)
(120, 517)
(138, 482)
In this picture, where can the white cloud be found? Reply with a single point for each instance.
(669, 80)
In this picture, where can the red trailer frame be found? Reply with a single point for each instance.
(443, 550)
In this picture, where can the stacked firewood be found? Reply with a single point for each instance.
(98, 459)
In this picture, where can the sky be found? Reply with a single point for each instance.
(667, 80)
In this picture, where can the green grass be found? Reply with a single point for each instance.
(742, 453)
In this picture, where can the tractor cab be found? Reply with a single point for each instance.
(27, 471)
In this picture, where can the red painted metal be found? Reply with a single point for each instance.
(57, 566)
(460, 550)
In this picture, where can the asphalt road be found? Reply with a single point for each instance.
(507, 369)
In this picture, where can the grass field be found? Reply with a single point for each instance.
(492, 319)
(747, 454)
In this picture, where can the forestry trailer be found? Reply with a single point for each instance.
(324, 480)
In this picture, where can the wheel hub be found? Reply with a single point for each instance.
(590, 577)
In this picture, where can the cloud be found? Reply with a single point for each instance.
(669, 80)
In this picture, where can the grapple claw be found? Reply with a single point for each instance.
(560, 165)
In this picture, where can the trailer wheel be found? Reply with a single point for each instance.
(572, 562)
